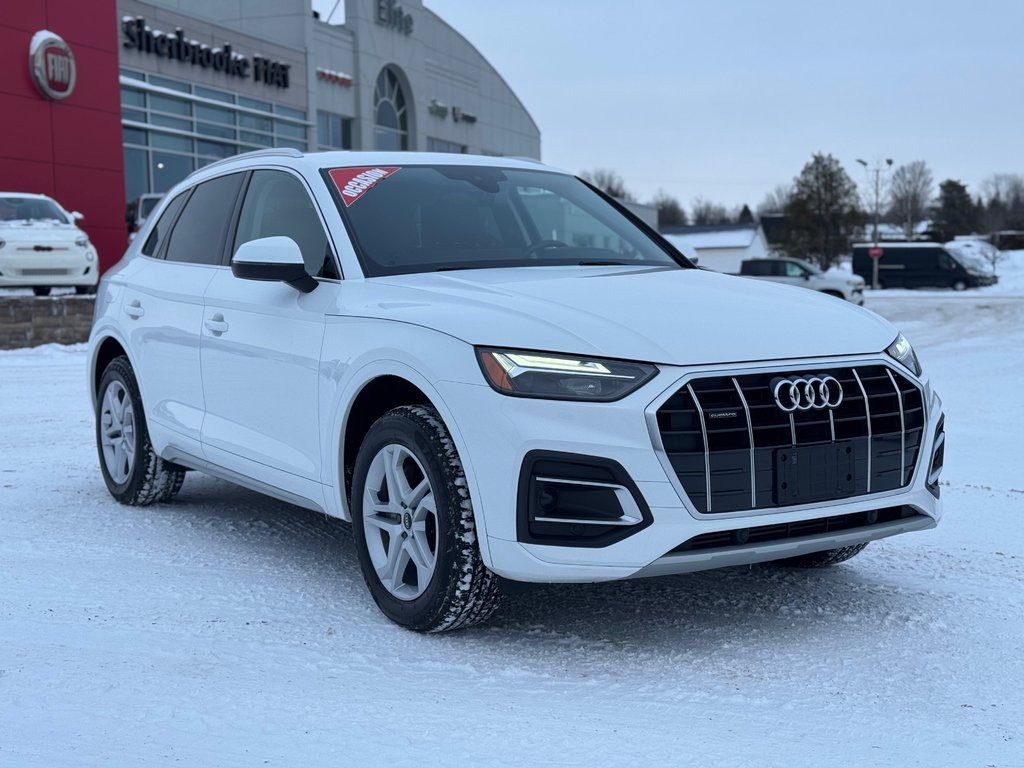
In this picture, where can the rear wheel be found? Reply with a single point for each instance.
(134, 474)
(413, 522)
(41, 290)
(823, 559)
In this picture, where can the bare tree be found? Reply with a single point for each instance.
(776, 200)
(706, 212)
(670, 212)
(609, 182)
(910, 194)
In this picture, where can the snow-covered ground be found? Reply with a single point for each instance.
(231, 630)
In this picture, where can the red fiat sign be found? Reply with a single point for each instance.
(875, 252)
(52, 64)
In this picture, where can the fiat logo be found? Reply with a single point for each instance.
(52, 64)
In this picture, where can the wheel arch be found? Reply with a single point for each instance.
(383, 385)
(105, 349)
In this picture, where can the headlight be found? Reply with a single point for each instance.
(561, 377)
(902, 351)
(82, 241)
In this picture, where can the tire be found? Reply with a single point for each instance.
(134, 474)
(823, 559)
(435, 580)
(834, 294)
(85, 290)
(41, 290)
(959, 285)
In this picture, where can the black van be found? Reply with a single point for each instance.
(920, 265)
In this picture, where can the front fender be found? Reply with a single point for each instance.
(358, 350)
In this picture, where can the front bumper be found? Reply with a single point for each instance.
(500, 431)
(68, 266)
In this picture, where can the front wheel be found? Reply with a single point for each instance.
(41, 290)
(134, 474)
(823, 559)
(85, 290)
(959, 285)
(413, 522)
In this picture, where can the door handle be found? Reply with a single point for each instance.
(216, 324)
(134, 309)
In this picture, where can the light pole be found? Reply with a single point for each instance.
(877, 172)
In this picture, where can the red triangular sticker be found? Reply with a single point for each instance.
(353, 183)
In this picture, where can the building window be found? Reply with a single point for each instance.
(390, 114)
(440, 145)
(172, 127)
(333, 131)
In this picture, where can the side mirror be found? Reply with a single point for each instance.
(276, 259)
(77, 216)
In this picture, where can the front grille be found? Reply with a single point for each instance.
(728, 441)
(44, 272)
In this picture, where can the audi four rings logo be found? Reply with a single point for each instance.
(799, 394)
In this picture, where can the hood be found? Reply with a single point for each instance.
(22, 230)
(659, 315)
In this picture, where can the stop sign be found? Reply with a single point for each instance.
(875, 252)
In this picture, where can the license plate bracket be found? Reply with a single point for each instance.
(815, 472)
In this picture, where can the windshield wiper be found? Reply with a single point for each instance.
(600, 263)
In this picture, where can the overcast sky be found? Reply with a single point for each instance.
(725, 100)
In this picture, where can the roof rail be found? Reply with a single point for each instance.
(271, 152)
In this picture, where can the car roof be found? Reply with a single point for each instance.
(312, 162)
(33, 195)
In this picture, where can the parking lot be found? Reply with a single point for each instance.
(180, 633)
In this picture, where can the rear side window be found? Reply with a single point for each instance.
(156, 236)
(277, 205)
(198, 235)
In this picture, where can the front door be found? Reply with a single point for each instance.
(261, 345)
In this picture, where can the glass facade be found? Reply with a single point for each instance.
(333, 131)
(171, 127)
(440, 145)
(391, 119)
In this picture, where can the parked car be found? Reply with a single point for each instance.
(922, 265)
(41, 247)
(428, 346)
(138, 209)
(805, 275)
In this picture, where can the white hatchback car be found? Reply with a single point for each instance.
(497, 373)
(41, 246)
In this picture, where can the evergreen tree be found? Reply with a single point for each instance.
(955, 213)
(745, 216)
(823, 212)
(670, 212)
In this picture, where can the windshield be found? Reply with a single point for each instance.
(808, 266)
(970, 260)
(30, 209)
(436, 218)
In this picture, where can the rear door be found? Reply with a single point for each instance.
(162, 310)
(261, 345)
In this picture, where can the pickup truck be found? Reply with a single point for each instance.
(842, 285)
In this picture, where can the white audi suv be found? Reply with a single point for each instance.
(497, 374)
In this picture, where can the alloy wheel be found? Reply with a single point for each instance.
(117, 432)
(400, 522)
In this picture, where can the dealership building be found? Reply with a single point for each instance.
(117, 99)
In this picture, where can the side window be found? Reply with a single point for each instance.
(198, 236)
(277, 205)
(945, 261)
(160, 230)
(793, 270)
